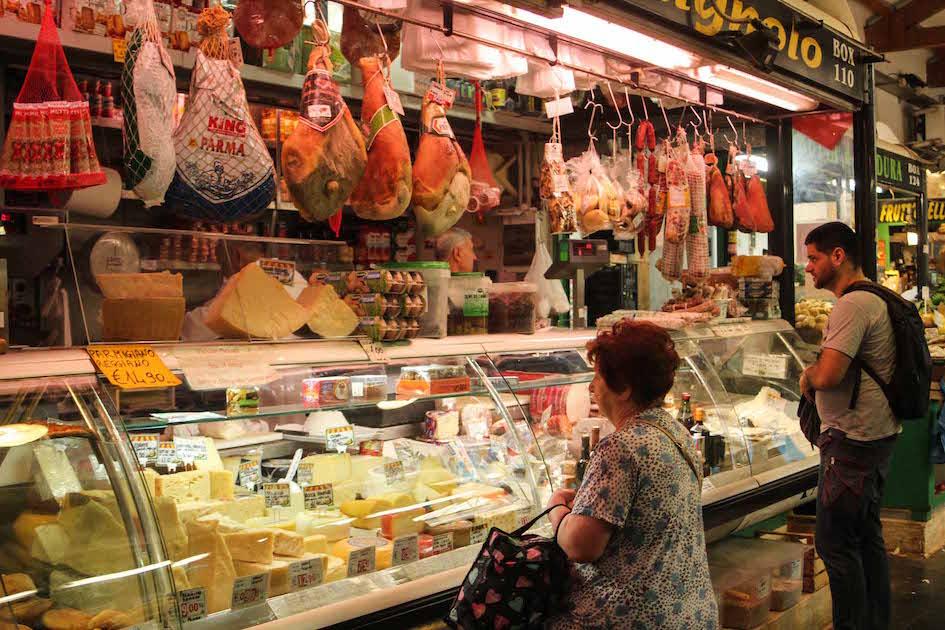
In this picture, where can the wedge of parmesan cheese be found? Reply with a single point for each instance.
(332, 317)
(126, 286)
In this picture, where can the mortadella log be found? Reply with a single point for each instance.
(385, 189)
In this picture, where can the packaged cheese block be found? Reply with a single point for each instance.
(54, 475)
(331, 524)
(214, 571)
(316, 543)
(222, 485)
(337, 569)
(94, 596)
(383, 549)
(250, 545)
(124, 286)
(461, 531)
(24, 526)
(403, 523)
(143, 319)
(184, 487)
(332, 316)
(98, 541)
(172, 528)
(50, 544)
(253, 304)
(286, 543)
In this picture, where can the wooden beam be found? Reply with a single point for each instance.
(900, 30)
(935, 71)
(878, 7)
(919, 10)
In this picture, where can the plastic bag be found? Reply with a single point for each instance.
(484, 192)
(594, 193)
(545, 81)
(677, 203)
(554, 188)
(551, 297)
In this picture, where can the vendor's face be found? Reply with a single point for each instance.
(464, 257)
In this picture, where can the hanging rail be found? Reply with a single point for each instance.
(558, 38)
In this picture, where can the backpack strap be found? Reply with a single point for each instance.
(696, 470)
(858, 364)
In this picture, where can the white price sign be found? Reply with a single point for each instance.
(477, 535)
(560, 107)
(250, 590)
(361, 561)
(146, 446)
(305, 474)
(305, 574)
(319, 495)
(339, 438)
(406, 550)
(167, 455)
(731, 330)
(192, 603)
(394, 472)
(190, 450)
(277, 494)
(442, 543)
(765, 365)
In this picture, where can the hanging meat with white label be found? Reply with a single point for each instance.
(324, 158)
(385, 189)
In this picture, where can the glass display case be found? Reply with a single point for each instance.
(316, 482)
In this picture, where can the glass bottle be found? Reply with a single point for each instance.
(595, 436)
(685, 411)
(700, 435)
(585, 458)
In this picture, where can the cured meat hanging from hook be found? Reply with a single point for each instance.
(719, 196)
(362, 38)
(758, 205)
(268, 24)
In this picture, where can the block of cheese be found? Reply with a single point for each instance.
(172, 528)
(140, 285)
(316, 543)
(331, 524)
(191, 510)
(98, 542)
(24, 526)
(214, 571)
(179, 574)
(242, 509)
(54, 475)
(225, 524)
(222, 485)
(149, 476)
(143, 319)
(94, 596)
(105, 498)
(383, 549)
(184, 487)
(250, 545)
(278, 570)
(403, 523)
(271, 521)
(461, 531)
(286, 543)
(50, 544)
(434, 475)
(254, 304)
(332, 316)
(337, 569)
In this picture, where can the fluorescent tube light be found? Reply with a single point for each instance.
(753, 87)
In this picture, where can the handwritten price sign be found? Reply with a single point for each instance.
(192, 603)
(361, 561)
(250, 590)
(132, 367)
(339, 438)
(305, 574)
(442, 543)
(277, 494)
(406, 550)
(319, 495)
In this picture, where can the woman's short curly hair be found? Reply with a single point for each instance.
(639, 356)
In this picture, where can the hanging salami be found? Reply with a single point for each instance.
(268, 24)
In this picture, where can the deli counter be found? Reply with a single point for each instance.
(320, 483)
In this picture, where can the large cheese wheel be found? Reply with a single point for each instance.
(383, 549)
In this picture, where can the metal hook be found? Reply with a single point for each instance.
(626, 95)
(646, 114)
(669, 130)
(734, 130)
(594, 107)
(619, 115)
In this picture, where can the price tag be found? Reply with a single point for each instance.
(319, 495)
(731, 330)
(393, 100)
(394, 472)
(190, 450)
(250, 473)
(339, 438)
(374, 350)
(305, 474)
(250, 590)
(764, 586)
(132, 367)
(560, 183)
(442, 543)
(406, 550)
(477, 535)
(318, 111)
(119, 49)
(235, 52)
(146, 446)
(561, 107)
(167, 455)
(765, 365)
(281, 270)
(305, 574)
(441, 94)
(361, 561)
(192, 603)
(523, 516)
(277, 494)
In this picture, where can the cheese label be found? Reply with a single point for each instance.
(406, 550)
(192, 603)
(250, 472)
(146, 446)
(132, 366)
(277, 494)
(394, 473)
(119, 49)
(765, 365)
(281, 270)
(523, 516)
(305, 574)
(361, 561)
(339, 438)
(305, 474)
(249, 591)
(477, 534)
(167, 455)
(442, 543)
(316, 496)
(191, 450)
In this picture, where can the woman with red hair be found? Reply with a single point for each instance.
(634, 529)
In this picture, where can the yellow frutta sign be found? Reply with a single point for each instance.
(132, 366)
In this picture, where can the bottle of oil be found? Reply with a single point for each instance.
(585, 458)
(685, 411)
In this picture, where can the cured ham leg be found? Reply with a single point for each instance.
(744, 218)
(385, 189)
(720, 204)
(758, 205)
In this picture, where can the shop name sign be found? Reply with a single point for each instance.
(937, 210)
(898, 171)
(817, 55)
(898, 210)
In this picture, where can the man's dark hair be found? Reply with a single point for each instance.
(829, 236)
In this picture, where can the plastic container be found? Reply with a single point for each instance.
(512, 307)
(468, 304)
(777, 564)
(434, 289)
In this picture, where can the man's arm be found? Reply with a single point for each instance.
(827, 372)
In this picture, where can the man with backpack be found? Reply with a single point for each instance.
(873, 372)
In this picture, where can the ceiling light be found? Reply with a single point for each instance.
(760, 163)
(758, 89)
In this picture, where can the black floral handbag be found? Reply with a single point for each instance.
(517, 581)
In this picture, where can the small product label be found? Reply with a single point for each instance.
(146, 447)
(250, 472)
(119, 49)
(477, 535)
(167, 455)
(559, 107)
(374, 350)
(441, 94)
(441, 127)
(235, 53)
(394, 473)
(523, 516)
(764, 586)
(315, 496)
(277, 494)
(190, 450)
(361, 561)
(393, 100)
(319, 112)
(192, 603)
(476, 303)
(305, 474)
(339, 438)
(554, 152)
(560, 183)
(305, 574)
(442, 543)
(677, 197)
(250, 590)
(281, 270)
(406, 550)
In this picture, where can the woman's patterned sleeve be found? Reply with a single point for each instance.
(609, 485)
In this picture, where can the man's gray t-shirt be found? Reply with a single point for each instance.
(859, 326)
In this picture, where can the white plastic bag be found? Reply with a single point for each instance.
(550, 295)
(545, 81)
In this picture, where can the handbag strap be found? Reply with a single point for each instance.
(696, 470)
(527, 526)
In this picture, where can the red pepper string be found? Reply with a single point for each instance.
(334, 222)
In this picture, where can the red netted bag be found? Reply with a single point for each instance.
(49, 143)
(484, 192)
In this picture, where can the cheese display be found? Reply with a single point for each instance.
(316, 543)
(184, 487)
(332, 316)
(251, 545)
(383, 549)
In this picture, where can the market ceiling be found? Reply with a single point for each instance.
(909, 26)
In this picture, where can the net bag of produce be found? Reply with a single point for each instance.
(49, 143)
(224, 170)
(484, 192)
(148, 91)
